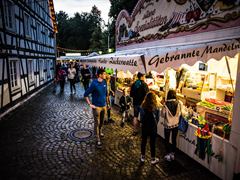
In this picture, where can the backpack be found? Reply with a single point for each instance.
(132, 90)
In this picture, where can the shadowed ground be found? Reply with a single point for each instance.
(51, 137)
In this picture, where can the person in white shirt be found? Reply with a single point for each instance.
(171, 112)
(71, 77)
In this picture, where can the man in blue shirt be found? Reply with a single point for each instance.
(98, 89)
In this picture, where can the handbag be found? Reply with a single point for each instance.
(183, 123)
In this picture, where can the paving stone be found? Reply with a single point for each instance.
(35, 144)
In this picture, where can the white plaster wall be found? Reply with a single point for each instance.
(235, 131)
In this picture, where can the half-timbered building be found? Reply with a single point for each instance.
(27, 48)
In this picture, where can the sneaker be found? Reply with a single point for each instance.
(142, 158)
(172, 156)
(154, 161)
(99, 144)
(134, 133)
(168, 157)
(111, 120)
(101, 134)
(122, 124)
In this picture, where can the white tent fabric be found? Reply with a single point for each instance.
(174, 57)
(131, 63)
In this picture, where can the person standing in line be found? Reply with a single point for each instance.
(71, 77)
(86, 76)
(138, 91)
(149, 119)
(171, 112)
(98, 89)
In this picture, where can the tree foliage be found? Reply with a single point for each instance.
(84, 31)
(115, 9)
(81, 32)
(118, 5)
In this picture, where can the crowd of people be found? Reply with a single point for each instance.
(74, 73)
(148, 107)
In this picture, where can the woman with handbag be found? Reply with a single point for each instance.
(149, 119)
(171, 113)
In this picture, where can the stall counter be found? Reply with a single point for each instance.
(187, 144)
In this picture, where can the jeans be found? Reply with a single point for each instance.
(125, 115)
(62, 83)
(136, 110)
(98, 115)
(72, 85)
(171, 147)
(152, 144)
(85, 85)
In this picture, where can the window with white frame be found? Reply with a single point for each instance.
(44, 35)
(33, 29)
(38, 32)
(47, 36)
(36, 8)
(14, 73)
(48, 68)
(45, 68)
(30, 71)
(41, 65)
(9, 12)
(27, 24)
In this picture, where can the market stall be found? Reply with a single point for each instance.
(193, 47)
(125, 67)
(208, 88)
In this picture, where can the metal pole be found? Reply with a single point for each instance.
(108, 40)
(108, 35)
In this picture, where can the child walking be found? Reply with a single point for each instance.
(125, 102)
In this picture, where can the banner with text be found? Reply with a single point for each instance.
(153, 20)
(203, 52)
(124, 63)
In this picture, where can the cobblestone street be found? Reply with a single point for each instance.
(39, 140)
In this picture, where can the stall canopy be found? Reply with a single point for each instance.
(126, 62)
(67, 58)
(175, 56)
